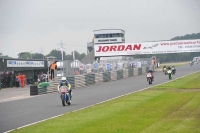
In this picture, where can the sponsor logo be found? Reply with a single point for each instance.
(151, 47)
(118, 48)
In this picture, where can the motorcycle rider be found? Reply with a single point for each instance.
(191, 63)
(164, 67)
(173, 68)
(169, 68)
(150, 71)
(65, 82)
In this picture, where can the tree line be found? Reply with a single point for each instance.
(55, 53)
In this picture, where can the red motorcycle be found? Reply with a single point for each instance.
(149, 78)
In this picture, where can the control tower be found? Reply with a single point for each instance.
(104, 36)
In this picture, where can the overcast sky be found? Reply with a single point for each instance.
(29, 25)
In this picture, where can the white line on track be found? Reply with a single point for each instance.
(97, 103)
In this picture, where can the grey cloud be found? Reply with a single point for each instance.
(27, 25)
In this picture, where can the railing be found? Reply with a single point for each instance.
(70, 68)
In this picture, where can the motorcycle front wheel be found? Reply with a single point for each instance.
(170, 76)
(149, 80)
(63, 100)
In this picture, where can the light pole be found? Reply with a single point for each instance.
(31, 54)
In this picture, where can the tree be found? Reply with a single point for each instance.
(78, 56)
(1, 55)
(37, 56)
(57, 54)
(24, 55)
(187, 37)
(68, 57)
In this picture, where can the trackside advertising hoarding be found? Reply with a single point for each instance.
(162, 47)
(18, 63)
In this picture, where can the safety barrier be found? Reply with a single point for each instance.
(71, 81)
(119, 74)
(79, 81)
(98, 78)
(54, 88)
(139, 71)
(35, 90)
(113, 75)
(135, 72)
(125, 73)
(89, 79)
(106, 77)
(130, 72)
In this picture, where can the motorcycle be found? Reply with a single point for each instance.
(173, 71)
(149, 78)
(169, 74)
(191, 63)
(64, 95)
(165, 70)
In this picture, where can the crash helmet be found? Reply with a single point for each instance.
(64, 79)
(150, 71)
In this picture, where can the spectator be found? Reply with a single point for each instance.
(7, 81)
(154, 62)
(22, 80)
(133, 65)
(35, 78)
(17, 80)
(41, 77)
(53, 67)
(76, 72)
(11, 80)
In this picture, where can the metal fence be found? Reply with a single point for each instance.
(70, 68)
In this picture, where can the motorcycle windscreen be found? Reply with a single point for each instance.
(63, 89)
(148, 75)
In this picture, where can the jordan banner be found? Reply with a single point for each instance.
(162, 47)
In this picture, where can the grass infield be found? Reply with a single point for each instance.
(171, 107)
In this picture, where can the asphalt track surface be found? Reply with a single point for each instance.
(17, 113)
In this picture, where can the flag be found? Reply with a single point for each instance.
(42, 56)
(73, 54)
(61, 49)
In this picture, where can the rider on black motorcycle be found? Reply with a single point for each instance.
(173, 69)
(65, 82)
(169, 68)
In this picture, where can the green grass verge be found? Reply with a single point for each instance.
(171, 107)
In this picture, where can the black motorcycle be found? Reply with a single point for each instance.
(173, 71)
(191, 63)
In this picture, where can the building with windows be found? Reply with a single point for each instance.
(109, 36)
(104, 36)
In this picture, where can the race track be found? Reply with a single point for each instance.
(17, 113)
